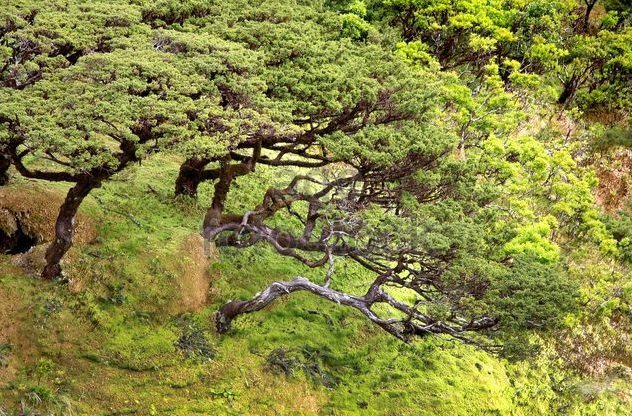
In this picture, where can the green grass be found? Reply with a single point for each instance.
(111, 344)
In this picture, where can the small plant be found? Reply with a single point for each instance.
(26, 410)
(282, 361)
(117, 294)
(313, 366)
(43, 369)
(223, 394)
(5, 353)
(194, 343)
(307, 359)
(52, 306)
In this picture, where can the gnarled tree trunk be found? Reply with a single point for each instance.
(231, 310)
(65, 227)
(190, 176)
(590, 5)
(226, 173)
(222, 187)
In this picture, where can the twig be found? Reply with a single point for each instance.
(125, 214)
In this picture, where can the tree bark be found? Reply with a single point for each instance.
(412, 324)
(222, 187)
(65, 227)
(190, 176)
(5, 163)
(231, 310)
(226, 174)
(570, 88)
(590, 4)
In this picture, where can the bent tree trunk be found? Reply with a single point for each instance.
(231, 310)
(213, 215)
(190, 176)
(65, 227)
(5, 163)
(225, 175)
(411, 324)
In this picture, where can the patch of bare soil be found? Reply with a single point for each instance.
(190, 265)
(615, 180)
(27, 224)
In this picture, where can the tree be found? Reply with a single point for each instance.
(288, 51)
(588, 56)
(377, 181)
(436, 266)
(37, 39)
(80, 106)
(597, 66)
(386, 157)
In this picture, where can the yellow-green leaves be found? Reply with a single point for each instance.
(534, 240)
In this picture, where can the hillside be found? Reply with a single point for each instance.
(128, 334)
(314, 207)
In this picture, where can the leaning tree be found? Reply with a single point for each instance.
(89, 89)
(85, 124)
(369, 149)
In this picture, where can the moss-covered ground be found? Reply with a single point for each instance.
(130, 332)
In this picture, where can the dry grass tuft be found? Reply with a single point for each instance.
(615, 180)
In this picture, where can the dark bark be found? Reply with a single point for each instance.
(65, 227)
(43, 175)
(407, 21)
(569, 91)
(226, 174)
(5, 163)
(590, 4)
(190, 176)
(213, 216)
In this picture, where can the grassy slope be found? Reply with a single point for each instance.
(106, 342)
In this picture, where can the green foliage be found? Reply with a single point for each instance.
(534, 295)
(554, 40)
(502, 212)
(534, 241)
